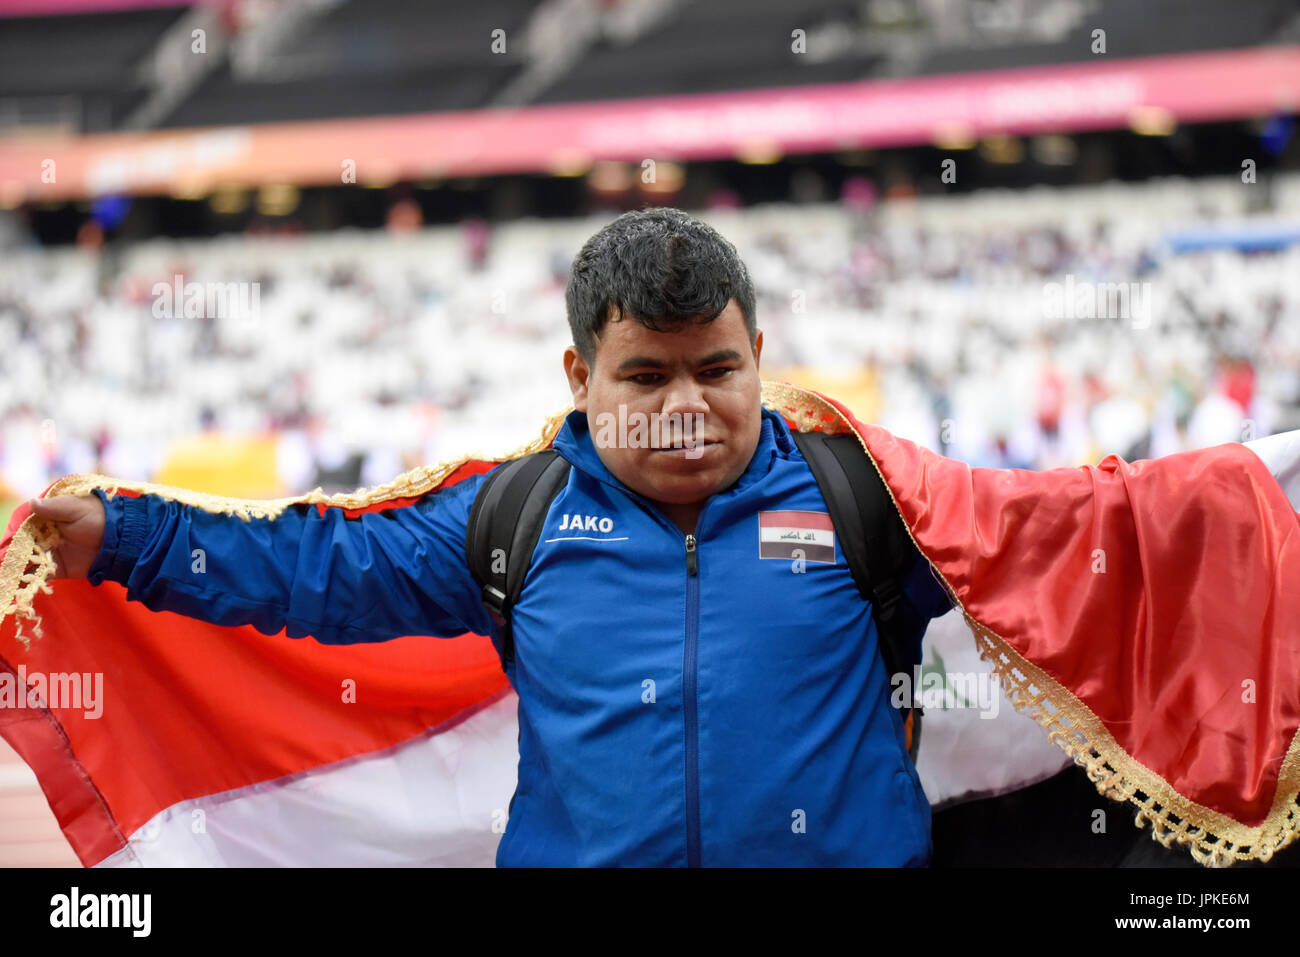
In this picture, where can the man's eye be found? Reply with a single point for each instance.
(719, 373)
(646, 378)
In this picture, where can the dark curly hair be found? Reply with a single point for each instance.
(659, 266)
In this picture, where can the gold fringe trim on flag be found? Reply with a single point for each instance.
(27, 569)
(29, 564)
(1213, 838)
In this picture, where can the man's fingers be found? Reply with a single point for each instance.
(60, 508)
(69, 511)
(79, 520)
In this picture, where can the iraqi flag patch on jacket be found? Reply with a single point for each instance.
(794, 534)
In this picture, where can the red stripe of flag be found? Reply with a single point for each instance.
(795, 519)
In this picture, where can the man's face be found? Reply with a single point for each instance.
(699, 385)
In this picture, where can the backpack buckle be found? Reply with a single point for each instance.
(495, 601)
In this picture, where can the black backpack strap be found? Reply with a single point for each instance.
(504, 525)
(877, 546)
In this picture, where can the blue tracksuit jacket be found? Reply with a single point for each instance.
(720, 709)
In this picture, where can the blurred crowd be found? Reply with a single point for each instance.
(1030, 329)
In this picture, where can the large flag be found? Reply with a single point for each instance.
(1146, 614)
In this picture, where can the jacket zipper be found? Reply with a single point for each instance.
(690, 661)
(690, 704)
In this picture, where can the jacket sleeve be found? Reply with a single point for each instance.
(924, 598)
(308, 571)
(925, 592)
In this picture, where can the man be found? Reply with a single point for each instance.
(683, 700)
(688, 696)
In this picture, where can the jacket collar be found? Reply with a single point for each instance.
(574, 443)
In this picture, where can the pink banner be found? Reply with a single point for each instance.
(1094, 95)
(49, 8)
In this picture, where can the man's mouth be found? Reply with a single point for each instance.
(696, 447)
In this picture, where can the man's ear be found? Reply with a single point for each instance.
(577, 371)
(758, 346)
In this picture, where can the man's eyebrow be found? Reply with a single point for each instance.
(641, 362)
(722, 355)
(646, 362)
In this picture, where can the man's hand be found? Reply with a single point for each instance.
(80, 522)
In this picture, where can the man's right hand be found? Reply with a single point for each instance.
(80, 521)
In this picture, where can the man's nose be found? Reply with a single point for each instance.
(684, 396)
